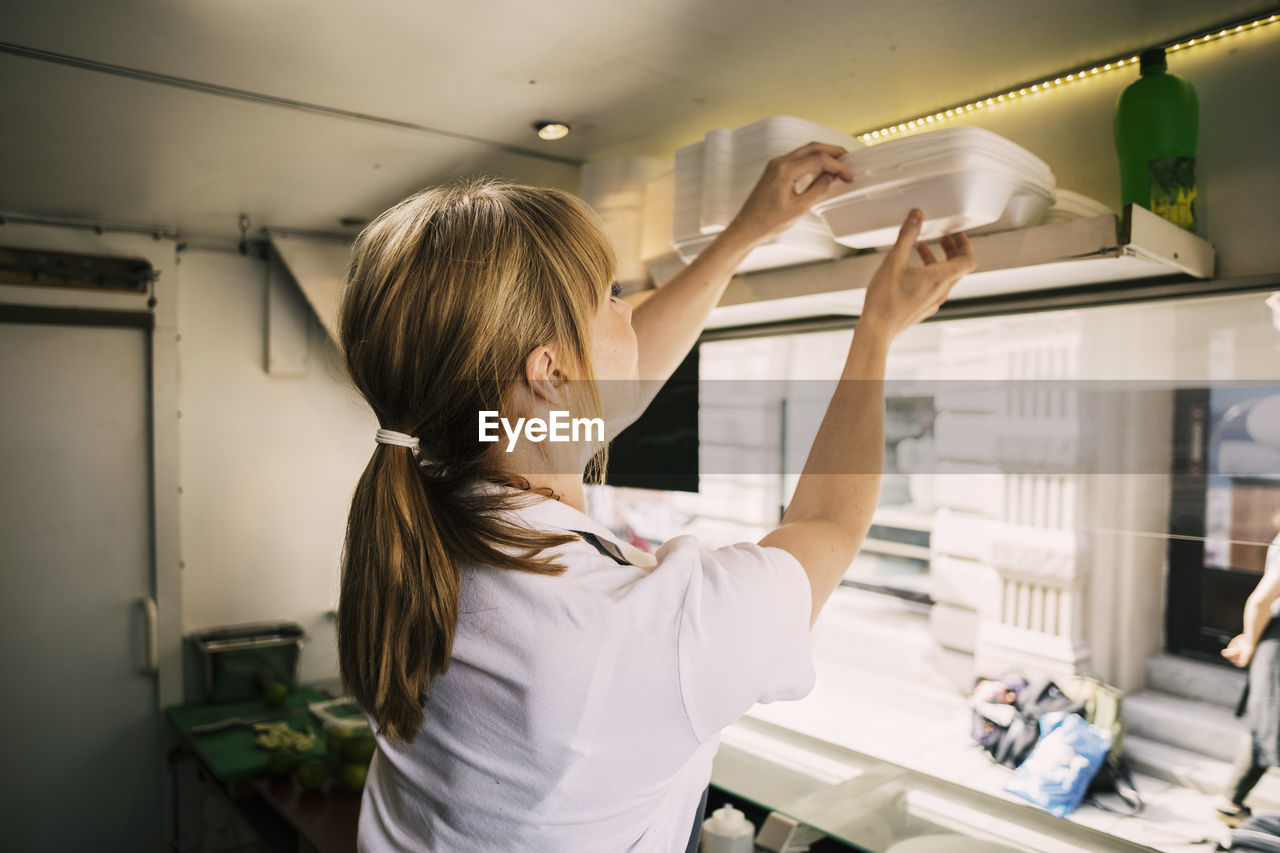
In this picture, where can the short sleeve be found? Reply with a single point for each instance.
(743, 630)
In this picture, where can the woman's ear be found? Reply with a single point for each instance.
(542, 370)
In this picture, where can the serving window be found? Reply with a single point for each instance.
(1174, 403)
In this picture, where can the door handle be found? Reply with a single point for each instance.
(151, 664)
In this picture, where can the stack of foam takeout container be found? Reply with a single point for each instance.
(963, 178)
(714, 177)
(1071, 205)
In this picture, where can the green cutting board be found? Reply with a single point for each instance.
(231, 753)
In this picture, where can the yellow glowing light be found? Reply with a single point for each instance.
(552, 130)
(980, 103)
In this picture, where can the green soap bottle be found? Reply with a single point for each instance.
(1157, 123)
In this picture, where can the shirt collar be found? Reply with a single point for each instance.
(549, 512)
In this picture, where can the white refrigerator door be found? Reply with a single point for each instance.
(81, 749)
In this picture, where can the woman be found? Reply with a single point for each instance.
(1258, 648)
(533, 687)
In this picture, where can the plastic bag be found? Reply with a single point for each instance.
(1058, 771)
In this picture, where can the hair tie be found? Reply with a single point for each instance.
(390, 436)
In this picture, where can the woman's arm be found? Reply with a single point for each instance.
(1257, 613)
(669, 321)
(831, 510)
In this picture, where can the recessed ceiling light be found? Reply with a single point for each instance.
(551, 129)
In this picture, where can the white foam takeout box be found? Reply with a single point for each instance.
(963, 178)
(714, 176)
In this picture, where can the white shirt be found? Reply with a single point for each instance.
(580, 712)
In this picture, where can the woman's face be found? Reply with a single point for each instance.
(615, 358)
(614, 354)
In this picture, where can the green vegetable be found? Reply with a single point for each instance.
(313, 775)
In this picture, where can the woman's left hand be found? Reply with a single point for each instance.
(774, 204)
(1239, 651)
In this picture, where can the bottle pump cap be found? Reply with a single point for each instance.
(1150, 60)
(728, 818)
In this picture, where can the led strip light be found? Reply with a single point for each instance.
(1057, 81)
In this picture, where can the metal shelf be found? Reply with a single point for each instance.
(1052, 257)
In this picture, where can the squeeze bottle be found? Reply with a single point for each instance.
(728, 831)
(1157, 122)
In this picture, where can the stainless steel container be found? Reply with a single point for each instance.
(235, 662)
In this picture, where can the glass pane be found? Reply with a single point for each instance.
(763, 400)
(881, 807)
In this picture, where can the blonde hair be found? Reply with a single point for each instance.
(447, 293)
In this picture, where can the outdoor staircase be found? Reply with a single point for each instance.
(1182, 728)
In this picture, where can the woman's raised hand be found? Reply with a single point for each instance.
(1239, 651)
(774, 204)
(901, 295)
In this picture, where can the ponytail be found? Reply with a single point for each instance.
(398, 607)
(402, 581)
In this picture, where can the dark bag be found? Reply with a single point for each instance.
(1115, 778)
(1039, 697)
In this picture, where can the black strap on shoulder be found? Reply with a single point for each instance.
(606, 548)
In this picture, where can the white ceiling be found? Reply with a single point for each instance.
(632, 78)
